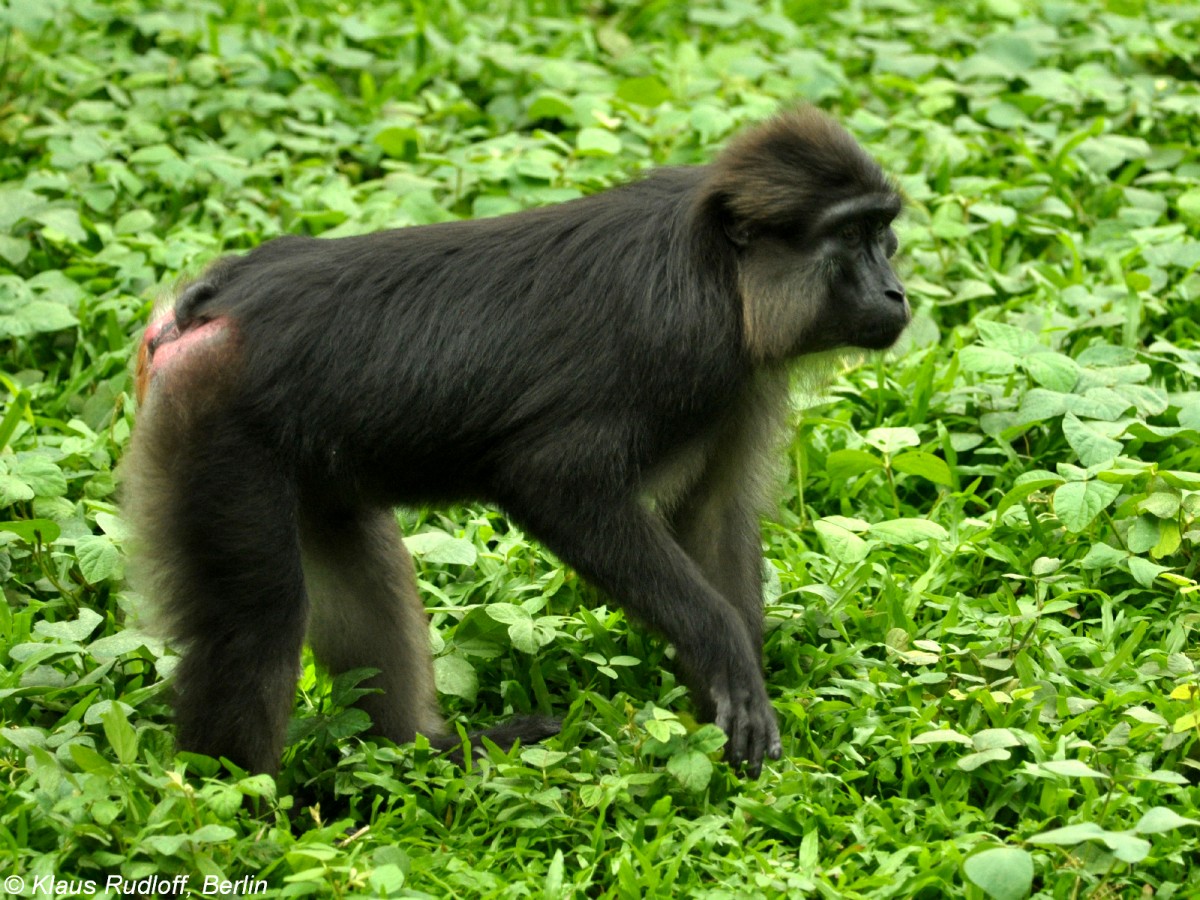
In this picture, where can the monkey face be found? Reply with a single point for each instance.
(866, 305)
(824, 285)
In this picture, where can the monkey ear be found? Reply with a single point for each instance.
(716, 210)
(737, 232)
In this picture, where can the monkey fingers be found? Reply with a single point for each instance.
(745, 714)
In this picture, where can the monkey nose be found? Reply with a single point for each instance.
(896, 294)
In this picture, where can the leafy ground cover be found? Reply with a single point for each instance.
(982, 596)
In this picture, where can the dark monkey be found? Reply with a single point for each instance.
(569, 364)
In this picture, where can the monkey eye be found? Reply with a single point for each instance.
(850, 233)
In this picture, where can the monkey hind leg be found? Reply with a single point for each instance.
(217, 553)
(367, 614)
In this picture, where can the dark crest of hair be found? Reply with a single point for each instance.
(793, 165)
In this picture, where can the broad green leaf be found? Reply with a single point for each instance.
(1003, 873)
(121, 736)
(941, 736)
(1012, 339)
(1071, 768)
(987, 360)
(597, 142)
(1053, 371)
(98, 558)
(1144, 571)
(455, 676)
(908, 531)
(645, 91)
(1090, 445)
(1189, 204)
(973, 761)
(43, 531)
(1160, 819)
(926, 465)
(1077, 503)
(692, 769)
(842, 465)
(73, 630)
(1163, 504)
(44, 477)
(1102, 556)
(14, 490)
(1070, 834)
(441, 548)
(995, 737)
(892, 440)
(542, 757)
(844, 546)
(62, 222)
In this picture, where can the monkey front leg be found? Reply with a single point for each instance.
(627, 551)
(722, 535)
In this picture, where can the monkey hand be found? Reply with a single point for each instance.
(744, 712)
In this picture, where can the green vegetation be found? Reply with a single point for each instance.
(983, 603)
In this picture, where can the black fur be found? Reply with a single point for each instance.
(564, 363)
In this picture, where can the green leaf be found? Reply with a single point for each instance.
(597, 142)
(1159, 819)
(44, 531)
(73, 630)
(1012, 339)
(542, 757)
(1102, 556)
(551, 105)
(213, 834)
(62, 223)
(1070, 835)
(1053, 371)
(973, 761)
(127, 640)
(437, 547)
(44, 477)
(1092, 447)
(844, 546)
(1163, 504)
(37, 317)
(98, 558)
(892, 440)
(646, 91)
(398, 142)
(842, 465)
(941, 736)
(121, 736)
(1071, 768)
(1077, 503)
(926, 465)
(520, 625)
(13, 490)
(692, 769)
(1003, 873)
(987, 360)
(1144, 571)
(908, 531)
(1189, 204)
(455, 676)
(14, 250)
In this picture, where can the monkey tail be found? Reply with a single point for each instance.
(526, 729)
